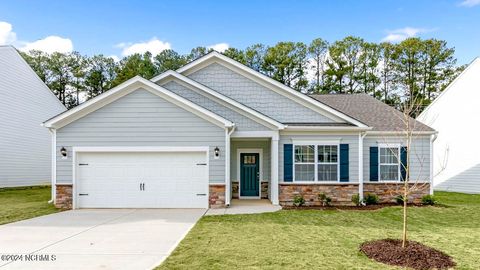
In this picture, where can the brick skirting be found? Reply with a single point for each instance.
(63, 196)
(264, 193)
(388, 191)
(341, 194)
(217, 196)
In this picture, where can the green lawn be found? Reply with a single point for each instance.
(327, 239)
(23, 203)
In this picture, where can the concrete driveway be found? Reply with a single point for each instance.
(96, 239)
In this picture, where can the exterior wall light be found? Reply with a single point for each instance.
(63, 152)
(216, 152)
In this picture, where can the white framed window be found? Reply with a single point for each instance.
(389, 163)
(316, 163)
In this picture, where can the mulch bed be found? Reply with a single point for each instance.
(415, 255)
(347, 207)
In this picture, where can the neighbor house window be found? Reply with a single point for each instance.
(389, 163)
(316, 163)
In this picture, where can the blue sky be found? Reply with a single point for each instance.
(122, 27)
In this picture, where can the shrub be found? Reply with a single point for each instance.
(298, 200)
(428, 200)
(399, 199)
(370, 198)
(356, 199)
(324, 199)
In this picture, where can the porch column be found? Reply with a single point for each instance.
(360, 165)
(227, 168)
(274, 173)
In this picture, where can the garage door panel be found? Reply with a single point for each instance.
(171, 180)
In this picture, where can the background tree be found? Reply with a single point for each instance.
(236, 54)
(38, 61)
(169, 60)
(133, 65)
(286, 62)
(388, 58)
(100, 74)
(198, 52)
(255, 55)
(317, 51)
(368, 73)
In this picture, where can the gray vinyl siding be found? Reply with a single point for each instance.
(419, 156)
(351, 140)
(25, 102)
(141, 119)
(234, 162)
(255, 96)
(242, 122)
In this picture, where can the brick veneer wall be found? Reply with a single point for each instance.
(63, 196)
(264, 190)
(217, 196)
(341, 194)
(388, 191)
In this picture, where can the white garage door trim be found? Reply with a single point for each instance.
(159, 149)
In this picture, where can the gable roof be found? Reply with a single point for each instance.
(374, 113)
(474, 63)
(169, 75)
(125, 88)
(268, 82)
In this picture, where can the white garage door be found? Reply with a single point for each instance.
(142, 180)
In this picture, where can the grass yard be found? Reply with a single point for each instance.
(23, 203)
(327, 239)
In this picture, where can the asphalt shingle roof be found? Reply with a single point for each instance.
(370, 111)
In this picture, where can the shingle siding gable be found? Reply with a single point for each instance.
(255, 96)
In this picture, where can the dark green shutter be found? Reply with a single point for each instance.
(288, 162)
(403, 164)
(344, 163)
(373, 163)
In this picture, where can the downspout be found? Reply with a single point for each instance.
(54, 164)
(433, 137)
(228, 133)
(361, 136)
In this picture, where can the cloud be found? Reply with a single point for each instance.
(7, 36)
(470, 3)
(220, 47)
(49, 44)
(155, 46)
(398, 35)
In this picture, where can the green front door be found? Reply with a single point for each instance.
(249, 175)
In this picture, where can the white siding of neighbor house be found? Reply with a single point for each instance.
(255, 96)
(242, 122)
(351, 140)
(454, 114)
(141, 119)
(419, 156)
(25, 102)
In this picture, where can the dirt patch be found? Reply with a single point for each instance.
(415, 255)
(348, 207)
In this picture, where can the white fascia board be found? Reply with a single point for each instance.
(260, 78)
(325, 128)
(399, 133)
(126, 88)
(170, 75)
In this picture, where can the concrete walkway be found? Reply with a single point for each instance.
(245, 207)
(97, 239)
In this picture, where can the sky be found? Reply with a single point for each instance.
(120, 28)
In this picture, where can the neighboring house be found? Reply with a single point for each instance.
(25, 102)
(452, 114)
(215, 130)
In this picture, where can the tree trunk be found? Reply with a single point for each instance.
(405, 201)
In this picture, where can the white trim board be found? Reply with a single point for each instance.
(258, 151)
(123, 149)
(125, 88)
(267, 82)
(170, 75)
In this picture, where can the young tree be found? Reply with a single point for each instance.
(100, 74)
(286, 62)
(169, 60)
(317, 51)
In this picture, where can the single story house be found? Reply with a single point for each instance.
(216, 130)
(25, 102)
(456, 161)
